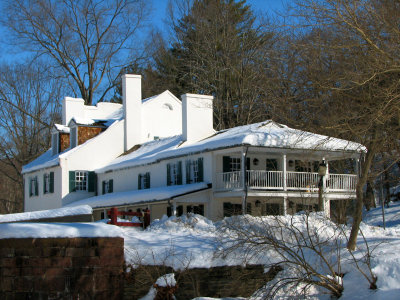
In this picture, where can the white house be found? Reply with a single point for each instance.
(164, 155)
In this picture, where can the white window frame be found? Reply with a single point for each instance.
(193, 170)
(81, 181)
(34, 186)
(235, 164)
(174, 173)
(46, 184)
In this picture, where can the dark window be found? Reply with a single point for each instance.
(272, 209)
(231, 209)
(271, 165)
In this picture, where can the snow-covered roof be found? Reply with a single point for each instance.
(47, 214)
(139, 196)
(264, 134)
(152, 98)
(62, 128)
(46, 160)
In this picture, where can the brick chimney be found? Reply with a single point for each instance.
(197, 117)
(132, 102)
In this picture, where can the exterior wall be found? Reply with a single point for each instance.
(63, 141)
(42, 201)
(159, 120)
(86, 133)
(95, 153)
(127, 179)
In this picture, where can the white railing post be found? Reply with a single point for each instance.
(284, 182)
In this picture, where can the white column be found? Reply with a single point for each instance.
(285, 206)
(174, 208)
(284, 172)
(243, 169)
(244, 204)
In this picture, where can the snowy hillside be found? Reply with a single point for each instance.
(197, 242)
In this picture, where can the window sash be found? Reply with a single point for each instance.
(81, 181)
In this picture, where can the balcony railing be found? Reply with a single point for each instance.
(274, 180)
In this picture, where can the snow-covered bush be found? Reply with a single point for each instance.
(309, 249)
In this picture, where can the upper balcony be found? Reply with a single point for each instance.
(280, 181)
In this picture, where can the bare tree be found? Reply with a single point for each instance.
(88, 41)
(29, 105)
(346, 85)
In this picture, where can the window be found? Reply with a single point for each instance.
(33, 186)
(48, 183)
(231, 209)
(107, 186)
(194, 170)
(233, 164)
(144, 181)
(272, 209)
(196, 209)
(54, 143)
(271, 165)
(82, 181)
(174, 173)
(73, 137)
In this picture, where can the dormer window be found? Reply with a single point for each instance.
(74, 137)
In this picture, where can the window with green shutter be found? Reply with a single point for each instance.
(33, 186)
(174, 173)
(144, 181)
(194, 170)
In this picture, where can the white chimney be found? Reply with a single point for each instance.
(72, 107)
(132, 101)
(197, 117)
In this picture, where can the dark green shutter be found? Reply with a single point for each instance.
(72, 181)
(201, 172)
(103, 187)
(168, 174)
(111, 186)
(247, 163)
(188, 172)
(51, 182)
(179, 172)
(92, 181)
(44, 183)
(226, 164)
(147, 180)
(139, 182)
(30, 187)
(36, 187)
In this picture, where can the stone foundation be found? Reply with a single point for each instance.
(61, 268)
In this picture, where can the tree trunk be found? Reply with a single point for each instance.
(357, 217)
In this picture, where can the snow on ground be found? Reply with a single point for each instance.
(58, 230)
(46, 214)
(193, 242)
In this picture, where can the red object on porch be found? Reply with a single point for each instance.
(113, 214)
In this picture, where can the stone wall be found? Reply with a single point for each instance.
(226, 281)
(61, 268)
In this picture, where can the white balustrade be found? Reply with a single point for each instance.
(273, 180)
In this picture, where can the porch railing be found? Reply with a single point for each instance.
(274, 180)
(342, 182)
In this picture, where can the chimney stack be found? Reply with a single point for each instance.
(72, 107)
(132, 102)
(197, 117)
